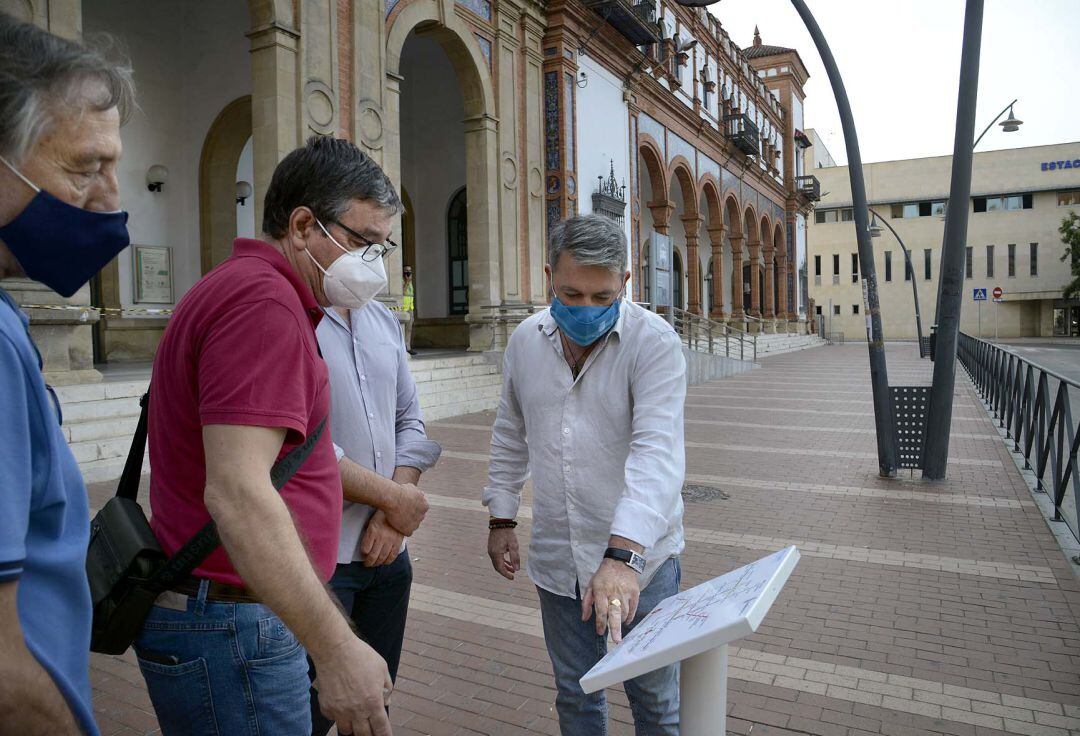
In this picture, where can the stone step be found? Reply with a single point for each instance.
(82, 393)
(86, 431)
(105, 449)
(467, 371)
(101, 409)
(421, 363)
(461, 385)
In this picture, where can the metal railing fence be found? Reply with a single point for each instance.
(1042, 429)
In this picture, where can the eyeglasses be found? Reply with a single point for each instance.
(369, 251)
(408, 273)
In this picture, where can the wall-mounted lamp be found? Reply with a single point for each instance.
(243, 191)
(156, 177)
(582, 79)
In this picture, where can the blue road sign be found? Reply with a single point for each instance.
(980, 295)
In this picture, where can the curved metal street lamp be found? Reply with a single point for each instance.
(875, 232)
(1010, 124)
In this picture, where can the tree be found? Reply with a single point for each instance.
(1070, 236)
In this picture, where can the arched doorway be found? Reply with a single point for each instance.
(677, 280)
(457, 239)
(446, 130)
(219, 212)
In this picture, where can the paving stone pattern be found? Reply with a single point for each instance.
(917, 608)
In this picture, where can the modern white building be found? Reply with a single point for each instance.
(1018, 199)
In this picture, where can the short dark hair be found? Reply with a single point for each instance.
(326, 175)
(41, 74)
(591, 240)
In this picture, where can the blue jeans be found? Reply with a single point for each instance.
(574, 648)
(376, 599)
(228, 669)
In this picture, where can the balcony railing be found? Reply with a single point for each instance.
(741, 130)
(634, 20)
(809, 187)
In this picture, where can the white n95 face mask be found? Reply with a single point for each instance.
(351, 282)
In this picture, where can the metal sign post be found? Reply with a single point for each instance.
(695, 627)
(979, 295)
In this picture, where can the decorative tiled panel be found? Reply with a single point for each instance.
(485, 48)
(551, 120)
(678, 147)
(480, 7)
(653, 128)
(554, 213)
(707, 166)
(568, 126)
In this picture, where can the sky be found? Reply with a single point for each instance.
(900, 62)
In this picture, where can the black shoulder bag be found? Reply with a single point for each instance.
(126, 566)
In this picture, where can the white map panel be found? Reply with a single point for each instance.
(716, 612)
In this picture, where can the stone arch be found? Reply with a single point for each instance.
(681, 176)
(652, 165)
(766, 232)
(650, 153)
(221, 151)
(710, 190)
(732, 215)
(784, 280)
(682, 173)
(733, 223)
(713, 281)
(750, 224)
(425, 16)
(427, 19)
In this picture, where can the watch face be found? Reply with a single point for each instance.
(637, 562)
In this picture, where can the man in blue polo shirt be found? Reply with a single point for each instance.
(60, 110)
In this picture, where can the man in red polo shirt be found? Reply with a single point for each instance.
(238, 382)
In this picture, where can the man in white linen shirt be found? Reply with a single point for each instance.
(592, 404)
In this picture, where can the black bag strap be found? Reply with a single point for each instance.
(129, 479)
(206, 540)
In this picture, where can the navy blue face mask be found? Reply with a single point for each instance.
(61, 245)
(584, 325)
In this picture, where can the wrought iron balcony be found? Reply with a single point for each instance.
(809, 187)
(634, 20)
(741, 130)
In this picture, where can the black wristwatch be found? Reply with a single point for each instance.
(632, 559)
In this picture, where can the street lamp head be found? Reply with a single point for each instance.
(1011, 124)
(875, 229)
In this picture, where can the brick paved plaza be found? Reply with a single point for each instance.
(916, 608)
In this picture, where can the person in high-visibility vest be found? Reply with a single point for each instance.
(408, 305)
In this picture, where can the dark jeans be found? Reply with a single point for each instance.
(377, 601)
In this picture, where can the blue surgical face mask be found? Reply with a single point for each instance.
(584, 325)
(61, 245)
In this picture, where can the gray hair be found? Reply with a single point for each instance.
(325, 175)
(591, 240)
(41, 74)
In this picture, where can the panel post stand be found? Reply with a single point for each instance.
(703, 693)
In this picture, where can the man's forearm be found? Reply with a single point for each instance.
(405, 474)
(30, 702)
(274, 564)
(361, 485)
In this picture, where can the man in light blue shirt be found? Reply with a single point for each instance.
(382, 450)
(61, 105)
